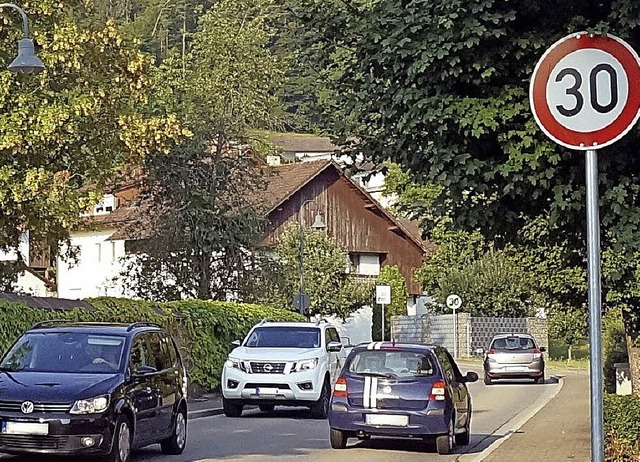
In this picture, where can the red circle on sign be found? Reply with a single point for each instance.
(596, 139)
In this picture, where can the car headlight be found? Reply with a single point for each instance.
(236, 364)
(91, 405)
(306, 365)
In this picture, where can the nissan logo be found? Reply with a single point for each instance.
(267, 367)
(27, 407)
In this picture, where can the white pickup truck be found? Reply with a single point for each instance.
(283, 363)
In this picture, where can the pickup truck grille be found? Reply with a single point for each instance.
(267, 368)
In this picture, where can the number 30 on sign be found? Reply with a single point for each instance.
(584, 91)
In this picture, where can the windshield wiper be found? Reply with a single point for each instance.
(388, 375)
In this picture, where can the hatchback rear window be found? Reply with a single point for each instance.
(399, 363)
(513, 343)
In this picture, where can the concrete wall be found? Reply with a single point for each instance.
(410, 329)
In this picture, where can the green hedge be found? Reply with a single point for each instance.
(204, 329)
(622, 427)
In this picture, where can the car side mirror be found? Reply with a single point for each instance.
(144, 370)
(334, 346)
(471, 377)
(236, 343)
(542, 349)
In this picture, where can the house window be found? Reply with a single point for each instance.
(365, 264)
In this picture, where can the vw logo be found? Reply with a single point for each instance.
(27, 407)
(267, 367)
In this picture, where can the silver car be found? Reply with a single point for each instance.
(513, 356)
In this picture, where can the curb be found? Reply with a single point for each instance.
(204, 413)
(512, 426)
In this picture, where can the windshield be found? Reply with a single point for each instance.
(513, 343)
(396, 363)
(284, 337)
(67, 352)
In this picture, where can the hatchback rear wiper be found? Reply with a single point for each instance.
(388, 375)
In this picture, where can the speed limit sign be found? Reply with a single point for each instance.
(584, 91)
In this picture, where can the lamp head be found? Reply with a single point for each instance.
(318, 223)
(27, 62)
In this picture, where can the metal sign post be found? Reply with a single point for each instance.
(454, 302)
(584, 95)
(595, 325)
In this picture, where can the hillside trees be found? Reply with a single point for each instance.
(205, 192)
(75, 124)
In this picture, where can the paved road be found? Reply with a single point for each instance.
(289, 433)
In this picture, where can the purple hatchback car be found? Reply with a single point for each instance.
(401, 390)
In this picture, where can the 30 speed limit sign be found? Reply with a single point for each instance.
(585, 90)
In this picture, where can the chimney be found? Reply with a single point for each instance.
(273, 161)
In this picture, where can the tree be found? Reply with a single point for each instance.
(441, 88)
(206, 216)
(75, 124)
(331, 290)
(390, 276)
(569, 326)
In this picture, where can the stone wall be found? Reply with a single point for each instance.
(411, 329)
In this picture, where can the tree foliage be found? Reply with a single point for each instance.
(75, 124)
(206, 212)
(392, 277)
(331, 290)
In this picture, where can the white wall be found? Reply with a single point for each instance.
(28, 284)
(23, 247)
(357, 326)
(99, 262)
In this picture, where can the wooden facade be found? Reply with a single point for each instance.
(353, 219)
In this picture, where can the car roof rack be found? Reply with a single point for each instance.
(133, 325)
(320, 321)
(49, 322)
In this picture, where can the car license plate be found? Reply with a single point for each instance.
(386, 419)
(515, 368)
(25, 428)
(262, 391)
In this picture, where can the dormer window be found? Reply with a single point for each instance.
(106, 205)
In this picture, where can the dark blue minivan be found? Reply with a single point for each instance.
(401, 390)
(92, 390)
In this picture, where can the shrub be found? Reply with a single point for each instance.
(614, 346)
(622, 427)
(203, 329)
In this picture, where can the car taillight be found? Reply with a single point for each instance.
(340, 388)
(438, 391)
(491, 352)
(537, 353)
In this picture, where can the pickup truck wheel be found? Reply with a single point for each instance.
(320, 408)
(231, 409)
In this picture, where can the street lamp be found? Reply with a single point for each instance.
(302, 300)
(27, 61)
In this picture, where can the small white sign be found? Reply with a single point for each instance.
(454, 301)
(383, 295)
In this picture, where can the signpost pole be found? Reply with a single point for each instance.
(455, 334)
(595, 324)
(382, 305)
